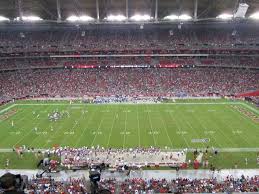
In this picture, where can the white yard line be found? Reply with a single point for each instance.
(179, 129)
(151, 127)
(198, 135)
(165, 129)
(72, 129)
(53, 135)
(226, 136)
(125, 127)
(231, 150)
(138, 128)
(176, 103)
(97, 131)
(85, 129)
(111, 130)
(204, 129)
(250, 107)
(230, 125)
(171, 103)
(30, 131)
(7, 108)
(245, 118)
(17, 121)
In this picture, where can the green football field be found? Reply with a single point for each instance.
(181, 124)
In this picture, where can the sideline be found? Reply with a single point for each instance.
(119, 103)
(256, 149)
(7, 108)
(144, 174)
(173, 103)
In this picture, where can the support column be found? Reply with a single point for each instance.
(127, 10)
(58, 11)
(20, 9)
(195, 9)
(156, 10)
(97, 11)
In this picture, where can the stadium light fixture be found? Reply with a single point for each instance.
(171, 17)
(180, 17)
(30, 18)
(225, 16)
(72, 18)
(138, 17)
(83, 18)
(241, 10)
(2, 18)
(255, 16)
(184, 17)
(116, 18)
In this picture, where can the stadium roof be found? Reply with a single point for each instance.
(47, 9)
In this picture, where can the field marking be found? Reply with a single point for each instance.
(179, 129)
(230, 150)
(25, 115)
(85, 128)
(30, 131)
(205, 129)
(151, 128)
(73, 127)
(97, 131)
(176, 103)
(17, 120)
(138, 127)
(219, 129)
(165, 129)
(169, 103)
(238, 103)
(195, 131)
(7, 108)
(39, 136)
(109, 138)
(246, 119)
(125, 124)
(54, 135)
(250, 107)
(7, 136)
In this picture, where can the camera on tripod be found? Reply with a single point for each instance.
(11, 183)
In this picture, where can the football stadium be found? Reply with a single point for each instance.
(129, 96)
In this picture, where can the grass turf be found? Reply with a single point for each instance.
(193, 124)
(184, 124)
(222, 161)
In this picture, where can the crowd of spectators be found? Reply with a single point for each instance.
(127, 81)
(117, 158)
(229, 184)
(126, 39)
(149, 186)
(247, 62)
(255, 100)
(51, 186)
(182, 185)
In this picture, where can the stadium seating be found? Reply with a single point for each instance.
(183, 185)
(125, 40)
(139, 185)
(127, 81)
(247, 62)
(49, 185)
